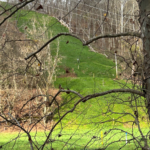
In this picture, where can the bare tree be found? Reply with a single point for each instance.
(140, 92)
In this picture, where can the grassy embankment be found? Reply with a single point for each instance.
(92, 73)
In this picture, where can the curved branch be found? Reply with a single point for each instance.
(84, 42)
(136, 34)
(52, 39)
(113, 91)
(27, 2)
(71, 91)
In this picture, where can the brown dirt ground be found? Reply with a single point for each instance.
(20, 98)
(73, 75)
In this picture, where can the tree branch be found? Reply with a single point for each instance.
(27, 2)
(113, 91)
(52, 39)
(84, 42)
(136, 34)
(71, 91)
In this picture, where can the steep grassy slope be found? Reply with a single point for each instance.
(92, 72)
(73, 54)
(89, 73)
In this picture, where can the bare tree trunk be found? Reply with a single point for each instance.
(144, 6)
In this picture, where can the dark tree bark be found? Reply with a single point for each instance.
(144, 20)
(144, 6)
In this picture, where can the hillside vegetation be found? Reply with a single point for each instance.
(79, 69)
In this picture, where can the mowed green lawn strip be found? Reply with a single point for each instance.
(78, 142)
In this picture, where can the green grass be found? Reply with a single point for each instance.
(78, 142)
(89, 62)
